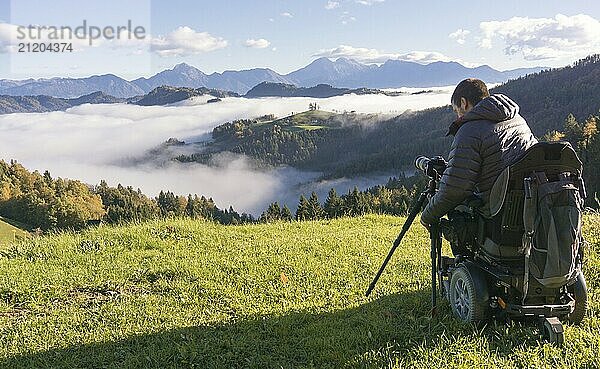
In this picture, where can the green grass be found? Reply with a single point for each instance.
(305, 127)
(185, 293)
(10, 232)
(305, 121)
(307, 117)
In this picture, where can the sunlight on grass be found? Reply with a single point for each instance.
(184, 293)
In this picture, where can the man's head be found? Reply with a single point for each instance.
(467, 94)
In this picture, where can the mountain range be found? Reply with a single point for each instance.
(322, 90)
(165, 95)
(159, 96)
(343, 73)
(44, 103)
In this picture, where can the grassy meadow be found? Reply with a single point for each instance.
(192, 294)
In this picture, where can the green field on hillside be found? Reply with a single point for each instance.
(307, 120)
(10, 233)
(310, 116)
(194, 294)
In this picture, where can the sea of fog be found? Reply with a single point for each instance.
(94, 142)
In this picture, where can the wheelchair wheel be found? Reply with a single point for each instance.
(579, 291)
(553, 331)
(466, 302)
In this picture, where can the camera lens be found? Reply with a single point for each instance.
(421, 163)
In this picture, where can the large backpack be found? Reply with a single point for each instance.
(546, 183)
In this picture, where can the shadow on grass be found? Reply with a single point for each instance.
(370, 335)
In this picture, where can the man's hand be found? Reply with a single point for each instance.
(426, 225)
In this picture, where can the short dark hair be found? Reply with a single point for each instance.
(472, 89)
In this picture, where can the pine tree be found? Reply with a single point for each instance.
(351, 202)
(190, 210)
(272, 214)
(302, 211)
(333, 204)
(286, 213)
(315, 211)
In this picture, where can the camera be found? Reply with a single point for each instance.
(433, 167)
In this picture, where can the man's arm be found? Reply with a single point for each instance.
(459, 178)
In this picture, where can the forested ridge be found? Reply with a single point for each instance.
(546, 98)
(40, 201)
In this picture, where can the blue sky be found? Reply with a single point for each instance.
(287, 34)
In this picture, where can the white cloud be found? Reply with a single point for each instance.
(260, 43)
(459, 35)
(287, 15)
(347, 18)
(181, 41)
(186, 41)
(369, 2)
(93, 142)
(544, 38)
(485, 43)
(332, 5)
(6, 37)
(367, 55)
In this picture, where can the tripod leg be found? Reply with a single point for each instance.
(411, 217)
(439, 262)
(434, 266)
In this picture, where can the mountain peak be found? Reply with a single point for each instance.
(322, 61)
(183, 67)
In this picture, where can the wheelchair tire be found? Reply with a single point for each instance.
(553, 331)
(579, 291)
(465, 300)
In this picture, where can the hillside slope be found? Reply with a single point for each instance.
(42, 103)
(9, 233)
(164, 95)
(546, 98)
(183, 293)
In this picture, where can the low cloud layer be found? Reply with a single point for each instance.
(94, 142)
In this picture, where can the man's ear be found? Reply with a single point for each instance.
(464, 104)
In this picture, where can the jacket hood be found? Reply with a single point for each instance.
(494, 108)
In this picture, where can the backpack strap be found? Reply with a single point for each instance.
(529, 221)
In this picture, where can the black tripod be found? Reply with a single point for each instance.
(435, 236)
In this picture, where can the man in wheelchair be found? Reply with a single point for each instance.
(513, 209)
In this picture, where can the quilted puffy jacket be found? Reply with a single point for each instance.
(487, 139)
